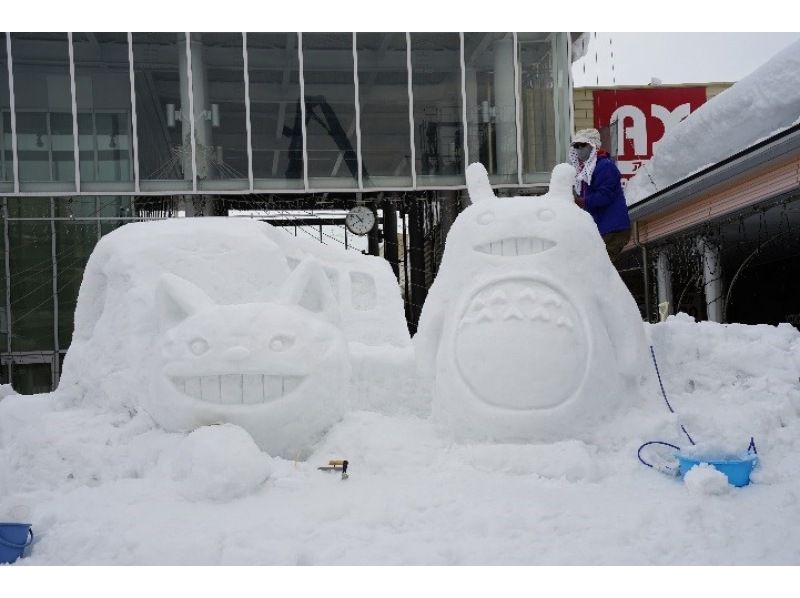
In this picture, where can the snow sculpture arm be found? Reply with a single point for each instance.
(605, 184)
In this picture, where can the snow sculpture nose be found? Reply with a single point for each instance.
(237, 353)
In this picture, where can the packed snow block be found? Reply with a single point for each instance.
(204, 321)
(528, 333)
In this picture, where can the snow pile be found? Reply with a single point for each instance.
(725, 125)
(704, 480)
(528, 332)
(752, 370)
(6, 390)
(218, 463)
(204, 321)
(99, 484)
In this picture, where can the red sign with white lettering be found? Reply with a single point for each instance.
(643, 115)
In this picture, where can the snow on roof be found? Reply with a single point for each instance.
(762, 104)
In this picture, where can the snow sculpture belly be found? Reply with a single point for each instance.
(528, 333)
(543, 355)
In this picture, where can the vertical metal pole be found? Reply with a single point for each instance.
(191, 108)
(13, 109)
(8, 285)
(303, 110)
(646, 272)
(134, 119)
(358, 114)
(411, 114)
(570, 99)
(517, 95)
(247, 112)
(55, 372)
(345, 238)
(464, 101)
(75, 148)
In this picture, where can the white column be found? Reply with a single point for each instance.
(202, 110)
(712, 278)
(471, 88)
(505, 105)
(664, 284)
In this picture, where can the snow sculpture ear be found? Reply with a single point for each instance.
(309, 288)
(177, 299)
(478, 183)
(561, 181)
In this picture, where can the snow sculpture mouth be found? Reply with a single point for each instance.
(521, 344)
(516, 246)
(237, 389)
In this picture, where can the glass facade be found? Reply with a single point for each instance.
(438, 118)
(164, 125)
(277, 137)
(6, 150)
(103, 96)
(383, 100)
(43, 101)
(220, 122)
(330, 110)
(92, 122)
(157, 113)
(491, 104)
(545, 97)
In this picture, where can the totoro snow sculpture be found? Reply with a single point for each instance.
(279, 369)
(528, 332)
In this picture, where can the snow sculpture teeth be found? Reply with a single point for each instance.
(237, 389)
(516, 246)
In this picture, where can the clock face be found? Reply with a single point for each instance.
(360, 220)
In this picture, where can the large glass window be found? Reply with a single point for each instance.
(31, 265)
(43, 100)
(383, 98)
(491, 103)
(330, 110)
(539, 95)
(436, 79)
(103, 95)
(6, 148)
(162, 111)
(220, 116)
(277, 136)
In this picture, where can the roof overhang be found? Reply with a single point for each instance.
(781, 146)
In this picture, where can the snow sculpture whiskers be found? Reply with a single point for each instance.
(278, 370)
(528, 332)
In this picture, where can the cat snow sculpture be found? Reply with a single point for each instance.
(528, 332)
(279, 370)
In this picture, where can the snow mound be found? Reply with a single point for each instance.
(704, 480)
(725, 125)
(218, 463)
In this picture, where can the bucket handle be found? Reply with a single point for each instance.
(664, 469)
(18, 546)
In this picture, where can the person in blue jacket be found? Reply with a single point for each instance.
(598, 190)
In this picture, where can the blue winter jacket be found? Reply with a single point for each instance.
(604, 198)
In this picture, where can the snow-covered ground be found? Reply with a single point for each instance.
(755, 108)
(217, 364)
(110, 487)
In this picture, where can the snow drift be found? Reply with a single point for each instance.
(755, 108)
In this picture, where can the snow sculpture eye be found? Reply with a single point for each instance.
(546, 214)
(281, 342)
(486, 218)
(198, 346)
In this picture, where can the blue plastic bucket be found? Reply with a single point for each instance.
(736, 470)
(14, 539)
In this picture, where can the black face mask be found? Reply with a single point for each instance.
(583, 153)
